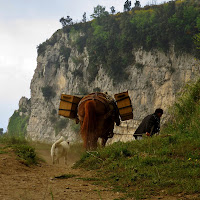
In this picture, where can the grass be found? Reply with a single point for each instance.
(25, 153)
(168, 164)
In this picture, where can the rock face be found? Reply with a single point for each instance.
(153, 81)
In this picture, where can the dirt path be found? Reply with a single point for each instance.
(19, 182)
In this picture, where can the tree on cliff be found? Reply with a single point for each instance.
(137, 4)
(99, 11)
(66, 21)
(112, 8)
(127, 5)
(84, 17)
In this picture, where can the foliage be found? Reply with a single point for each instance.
(111, 39)
(75, 127)
(197, 40)
(137, 4)
(48, 92)
(26, 154)
(112, 9)
(18, 124)
(65, 52)
(41, 48)
(66, 21)
(99, 11)
(186, 111)
(169, 162)
(77, 73)
(81, 43)
(84, 17)
(127, 5)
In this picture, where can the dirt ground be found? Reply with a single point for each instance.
(19, 182)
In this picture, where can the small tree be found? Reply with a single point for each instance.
(112, 10)
(63, 22)
(127, 5)
(99, 11)
(66, 21)
(84, 17)
(48, 92)
(1, 131)
(69, 20)
(137, 4)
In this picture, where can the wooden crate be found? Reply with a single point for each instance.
(124, 105)
(68, 105)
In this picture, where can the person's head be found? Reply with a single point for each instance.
(159, 112)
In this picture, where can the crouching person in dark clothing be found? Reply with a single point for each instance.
(149, 125)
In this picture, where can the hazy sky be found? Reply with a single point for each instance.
(24, 24)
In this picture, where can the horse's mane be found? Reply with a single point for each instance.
(88, 127)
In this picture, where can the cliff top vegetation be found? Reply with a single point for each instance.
(110, 39)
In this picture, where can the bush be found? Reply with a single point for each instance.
(18, 124)
(48, 92)
(75, 127)
(77, 73)
(81, 43)
(26, 154)
(65, 52)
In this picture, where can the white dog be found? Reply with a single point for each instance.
(59, 149)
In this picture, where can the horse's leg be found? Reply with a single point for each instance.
(103, 142)
(92, 143)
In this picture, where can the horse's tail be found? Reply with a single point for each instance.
(89, 124)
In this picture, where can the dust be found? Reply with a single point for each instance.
(19, 182)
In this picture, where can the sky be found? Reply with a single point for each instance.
(24, 24)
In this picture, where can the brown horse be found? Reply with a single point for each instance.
(97, 115)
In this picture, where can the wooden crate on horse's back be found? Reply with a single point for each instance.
(68, 106)
(124, 105)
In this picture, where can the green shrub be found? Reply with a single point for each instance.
(81, 43)
(18, 124)
(77, 73)
(41, 48)
(75, 127)
(26, 154)
(65, 52)
(48, 92)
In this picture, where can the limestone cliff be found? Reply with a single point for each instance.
(153, 81)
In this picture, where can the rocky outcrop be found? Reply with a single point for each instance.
(153, 81)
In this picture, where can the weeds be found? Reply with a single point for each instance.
(26, 154)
